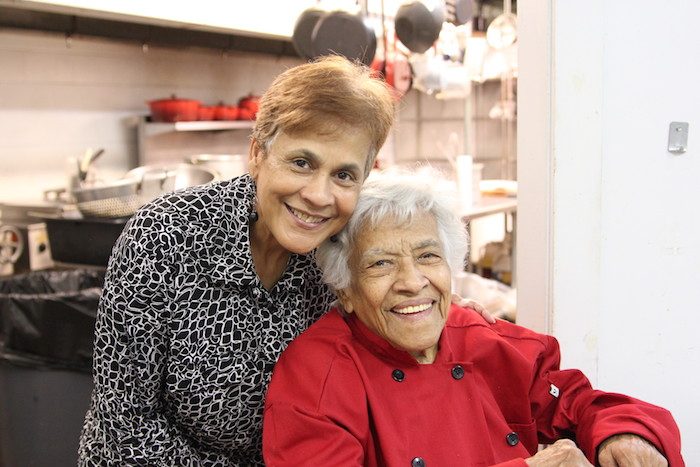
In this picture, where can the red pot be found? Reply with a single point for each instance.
(174, 110)
(245, 114)
(206, 112)
(251, 104)
(225, 112)
(396, 72)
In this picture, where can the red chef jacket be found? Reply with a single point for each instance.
(341, 395)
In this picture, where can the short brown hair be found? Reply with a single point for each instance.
(321, 94)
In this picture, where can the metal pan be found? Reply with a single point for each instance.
(342, 33)
(123, 197)
(418, 24)
(303, 29)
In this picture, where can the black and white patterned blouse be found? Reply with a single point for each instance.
(187, 336)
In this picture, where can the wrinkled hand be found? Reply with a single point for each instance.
(629, 450)
(563, 453)
(476, 306)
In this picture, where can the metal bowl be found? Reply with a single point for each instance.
(169, 177)
(226, 165)
(121, 198)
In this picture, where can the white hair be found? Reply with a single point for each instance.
(401, 195)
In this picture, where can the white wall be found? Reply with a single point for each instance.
(610, 255)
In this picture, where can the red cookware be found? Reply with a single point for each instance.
(394, 69)
(248, 106)
(396, 72)
(174, 110)
(206, 112)
(225, 112)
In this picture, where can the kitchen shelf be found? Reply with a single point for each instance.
(160, 142)
(215, 125)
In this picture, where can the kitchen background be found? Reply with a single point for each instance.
(84, 86)
(63, 92)
(606, 227)
(58, 98)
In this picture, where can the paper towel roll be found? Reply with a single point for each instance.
(465, 168)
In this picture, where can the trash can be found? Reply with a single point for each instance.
(47, 322)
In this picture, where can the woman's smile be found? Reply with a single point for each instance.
(413, 312)
(306, 218)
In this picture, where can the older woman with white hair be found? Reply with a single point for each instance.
(399, 376)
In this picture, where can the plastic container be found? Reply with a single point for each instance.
(47, 324)
(47, 318)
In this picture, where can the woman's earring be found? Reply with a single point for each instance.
(253, 216)
(334, 238)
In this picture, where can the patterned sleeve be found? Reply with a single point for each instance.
(126, 424)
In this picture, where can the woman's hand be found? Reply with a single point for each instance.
(629, 450)
(563, 453)
(476, 306)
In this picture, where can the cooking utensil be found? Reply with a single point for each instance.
(503, 30)
(68, 237)
(171, 177)
(123, 197)
(341, 33)
(120, 198)
(418, 24)
(174, 110)
(86, 161)
(226, 112)
(227, 166)
(303, 28)
(396, 71)
(251, 103)
(459, 11)
(436, 76)
(206, 112)
(394, 68)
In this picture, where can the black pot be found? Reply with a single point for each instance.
(303, 29)
(86, 241)
(342, 33)
(418, 26)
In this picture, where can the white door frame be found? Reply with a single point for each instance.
(560, 134)
(534, 146)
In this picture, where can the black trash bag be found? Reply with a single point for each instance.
(47, 318)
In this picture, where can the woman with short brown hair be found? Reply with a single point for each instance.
(206, 286)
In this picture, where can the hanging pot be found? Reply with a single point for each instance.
(399, 74)
(418, 24)
(395, 69)
(342, 33)
(459, 11)
(303, 28)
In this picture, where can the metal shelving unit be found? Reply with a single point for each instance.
(172, 142)
(151, 128)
